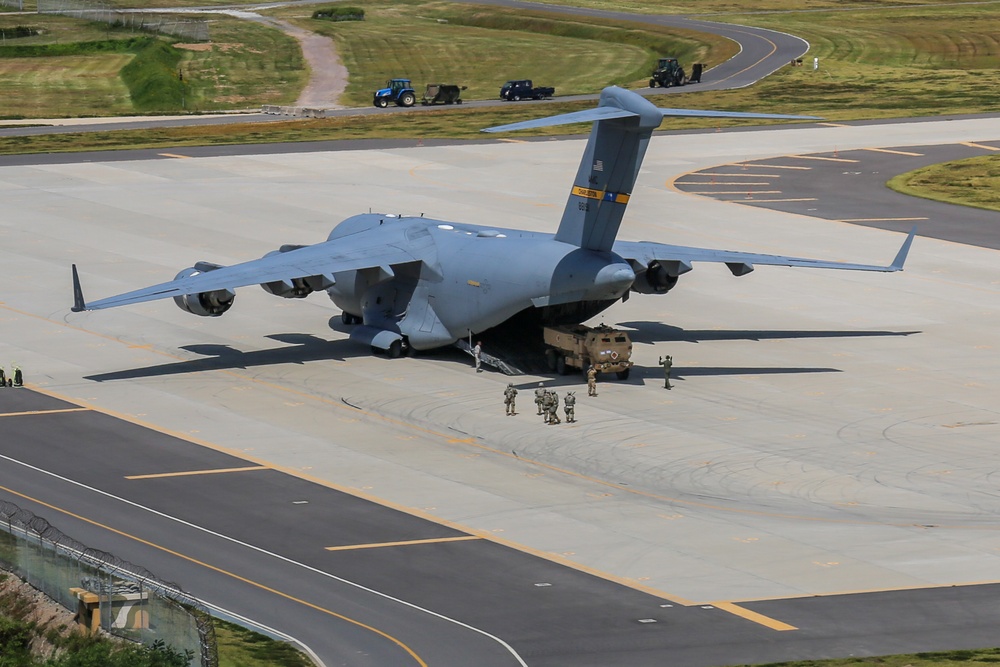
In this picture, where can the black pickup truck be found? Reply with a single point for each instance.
(524, 90)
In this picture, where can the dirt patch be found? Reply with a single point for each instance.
(194, 47)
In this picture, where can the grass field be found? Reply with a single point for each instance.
(37, 87)
(481, 47)
(970, 182)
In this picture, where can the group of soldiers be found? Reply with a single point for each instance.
(547, 401)
(16, 380)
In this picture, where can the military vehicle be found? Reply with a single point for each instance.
(524, 89)
(668, 73)
(608, 350)
(442, 93)
(396, 90)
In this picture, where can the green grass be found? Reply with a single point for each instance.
(970, 182)
(247, 65)
(481, 47)
(239, 647)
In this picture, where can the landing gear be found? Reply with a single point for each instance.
(349, 319)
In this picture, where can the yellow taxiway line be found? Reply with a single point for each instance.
(42, 412)
(185, 473)
(405, 543)
(227, 573)
(760, 619)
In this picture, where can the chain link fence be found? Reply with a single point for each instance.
(195, 30)
(108, 593)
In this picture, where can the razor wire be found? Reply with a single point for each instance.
(166, 24)
(53, 562)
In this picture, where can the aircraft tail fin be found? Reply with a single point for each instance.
(623, 123)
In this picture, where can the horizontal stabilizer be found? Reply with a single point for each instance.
(613, 105)
(586, 116)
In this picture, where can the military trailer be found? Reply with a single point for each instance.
(442, 93)
(579, 346)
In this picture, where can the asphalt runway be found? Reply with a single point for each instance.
(825, 461)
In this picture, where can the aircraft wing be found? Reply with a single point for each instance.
(679, 259)
(356, 251)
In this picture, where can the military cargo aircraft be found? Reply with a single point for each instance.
(414, 282)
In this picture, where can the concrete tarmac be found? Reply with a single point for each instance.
(829, 433)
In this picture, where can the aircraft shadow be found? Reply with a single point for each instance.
(299, 349)
(657, 332)
(641, 373)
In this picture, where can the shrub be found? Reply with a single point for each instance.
(340, 14)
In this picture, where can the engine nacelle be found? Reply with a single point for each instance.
(296, 288)
(204, 304)
(654, 280)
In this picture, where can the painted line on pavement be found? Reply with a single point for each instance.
(753, 616)
(406, 543)
(196, 472)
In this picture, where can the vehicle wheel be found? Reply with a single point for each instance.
(550, 360)
(458, 101)
(561, 365)
(381, 103)
(516, 98)
(652, 83)
(346, 318)
(395, 350)
(623, 375)
(407, 99)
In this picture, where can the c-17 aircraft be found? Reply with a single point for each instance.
(414, 282)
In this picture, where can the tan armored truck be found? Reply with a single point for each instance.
(609, 350)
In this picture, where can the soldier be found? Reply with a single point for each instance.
(509, 396)
(591, 381)
(3, 378)
(554, 410)
(477, 351)
(569, 406)
(547, 407)
(18, 378)
(539, 397)
(667, 362)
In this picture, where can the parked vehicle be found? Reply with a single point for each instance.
(523, 89)
(608, 350)
(396, 90)
(442, 93)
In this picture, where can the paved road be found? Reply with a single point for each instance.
(363, 584)
(761, 53)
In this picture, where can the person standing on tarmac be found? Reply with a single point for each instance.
(554, 414)
(539, 397)
(3, 378)
(667, 362)
(509, 396)
(569, 406)
(591, 381)
(477, 352)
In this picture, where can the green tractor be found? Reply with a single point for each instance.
(668, 73)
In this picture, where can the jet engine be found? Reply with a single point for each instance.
(654, 280)
(204, 304)
(296, 288)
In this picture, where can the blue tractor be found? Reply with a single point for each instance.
(396, 90)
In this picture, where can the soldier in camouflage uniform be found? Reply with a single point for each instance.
(554, 410)
(546, 405)
(539, 397)
(569, 406)
(509, 396)
(667, 362)
(591, 381)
